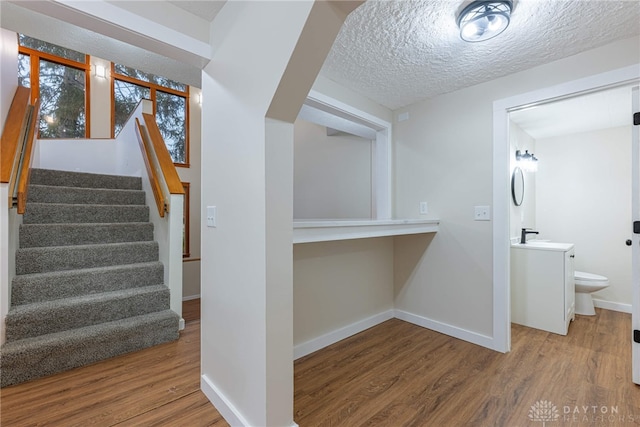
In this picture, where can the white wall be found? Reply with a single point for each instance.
(332, 174)
(8, 70)
(8, 219)
(444, 155)
(523, 216)
(100, 113)
(191, 265)
(337, 284)
(583, 196)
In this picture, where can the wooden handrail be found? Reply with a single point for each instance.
(154, 152)
(145, 148)
(169, 172)
(12, 133)
(25, 170)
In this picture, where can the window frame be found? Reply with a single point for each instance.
(153, 88)
(34, 62)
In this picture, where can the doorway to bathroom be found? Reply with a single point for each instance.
(554, 191)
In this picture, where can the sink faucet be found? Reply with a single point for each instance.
(525, 231)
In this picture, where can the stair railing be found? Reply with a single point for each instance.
(162, 173)
(17, 144)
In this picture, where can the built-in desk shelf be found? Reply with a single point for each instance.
(328, 230)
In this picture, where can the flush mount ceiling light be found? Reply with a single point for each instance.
(482, 20)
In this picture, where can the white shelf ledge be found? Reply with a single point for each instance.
(328, 230)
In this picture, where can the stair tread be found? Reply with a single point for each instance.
(89, 246)
(57, 258)
(97, 189)
(85, 330)
(84, 299)
(84, 179)
(57, 213)
(35, 357)
(78, 233)
(83, 205)
(96, 270)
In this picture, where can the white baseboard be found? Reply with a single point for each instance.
(615, 306)
(181, 324)
(333, 337)
(229, 412)
(222, 404)
(190, 297)
(463, 334)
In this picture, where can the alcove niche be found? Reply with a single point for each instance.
(342, 175)
(342, 167)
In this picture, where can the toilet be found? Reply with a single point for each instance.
(586, 284)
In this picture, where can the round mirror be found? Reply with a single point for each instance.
(517, 186)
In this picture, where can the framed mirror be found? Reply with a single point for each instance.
(517, 186)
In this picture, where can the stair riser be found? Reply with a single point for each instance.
(51, 318)
(84, 180)
(90, 196)
(27, 289)
(24, 361)
(41, 235)
(38, 213)
(41, 260)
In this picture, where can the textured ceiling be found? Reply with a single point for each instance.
(401, 52)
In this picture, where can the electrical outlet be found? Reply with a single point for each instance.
(211, 216)
(424, 209)
(482, 213)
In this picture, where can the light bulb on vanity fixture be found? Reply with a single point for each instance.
(482, 20)
(527, 161)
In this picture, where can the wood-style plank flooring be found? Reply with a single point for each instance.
(395, 374)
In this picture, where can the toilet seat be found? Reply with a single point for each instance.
(589, 279)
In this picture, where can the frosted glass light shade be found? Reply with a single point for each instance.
(483, 20)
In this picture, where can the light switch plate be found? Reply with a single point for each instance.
(424, 208)
(482, 213)
(211, 216)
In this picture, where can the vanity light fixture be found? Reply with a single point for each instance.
(483, 20)
(527, 161)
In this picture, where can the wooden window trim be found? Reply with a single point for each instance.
(36, 56)
(153, 88)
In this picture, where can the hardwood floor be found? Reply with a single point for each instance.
(398, 374)
(395, 374)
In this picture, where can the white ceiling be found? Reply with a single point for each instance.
(203, 9)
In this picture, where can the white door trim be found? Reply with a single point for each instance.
(501, 109)
(635, 252)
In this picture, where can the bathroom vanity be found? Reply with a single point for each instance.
(542, 285)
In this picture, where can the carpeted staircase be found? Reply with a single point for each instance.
(88, 282)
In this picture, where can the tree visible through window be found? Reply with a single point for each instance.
(169, 103)
(58, 77)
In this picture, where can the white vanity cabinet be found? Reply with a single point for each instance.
(542, 285)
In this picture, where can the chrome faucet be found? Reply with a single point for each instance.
(525, 231)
